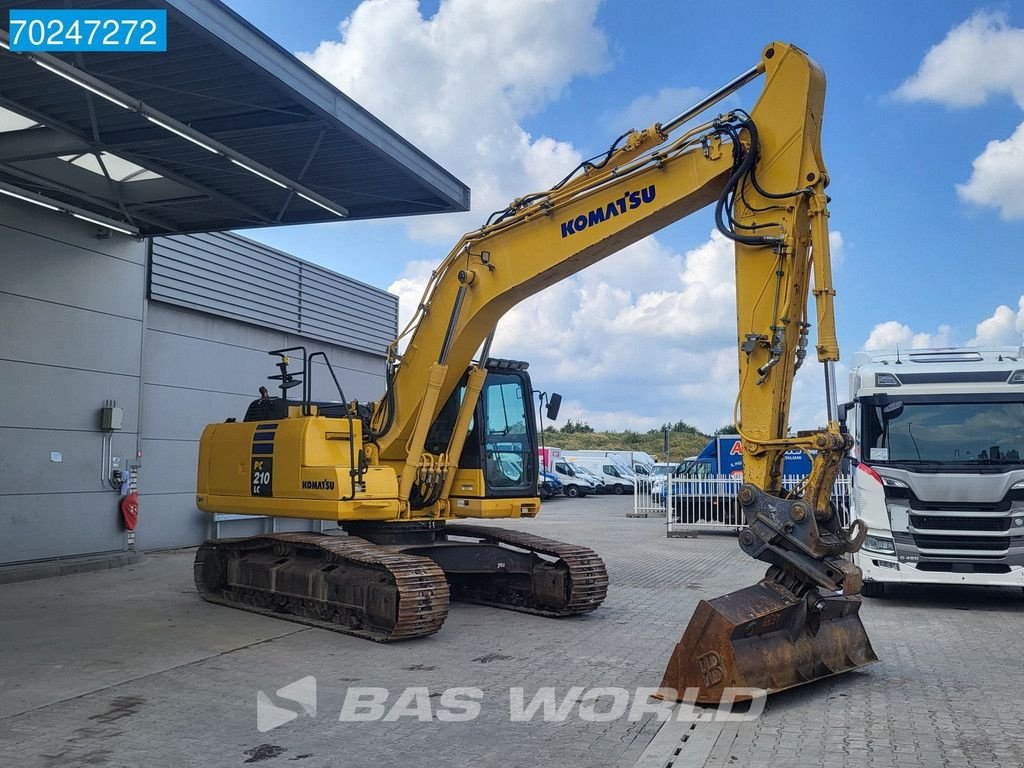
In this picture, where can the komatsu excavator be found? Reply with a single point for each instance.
(454, 436)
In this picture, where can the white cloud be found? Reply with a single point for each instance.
(892, 334)
(409, 289)
(980, 57)
(837, 247)
(1004, 327)
(997, 178)
(459, 84)
(648, 109)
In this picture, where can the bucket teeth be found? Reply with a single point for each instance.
(762, 640)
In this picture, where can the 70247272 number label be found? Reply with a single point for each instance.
(95, 30)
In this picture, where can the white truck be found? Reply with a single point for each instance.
(939, 479)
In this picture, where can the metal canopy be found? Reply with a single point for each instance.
(284, 136)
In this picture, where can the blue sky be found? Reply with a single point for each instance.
(930, 244)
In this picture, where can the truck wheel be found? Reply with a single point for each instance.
(873, 589)
(619, 490)
(572, 491)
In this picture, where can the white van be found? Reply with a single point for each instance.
(574, 481)
(599, 486)
(637, 462)
(616, 478)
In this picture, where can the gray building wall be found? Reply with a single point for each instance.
(78, 330)
(71, 309)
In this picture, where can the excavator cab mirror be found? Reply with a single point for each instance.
(554, 403)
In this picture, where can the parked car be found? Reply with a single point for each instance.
(549, 486)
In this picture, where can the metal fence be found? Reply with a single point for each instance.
(710, 502)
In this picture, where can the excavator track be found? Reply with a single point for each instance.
(584, 587)
(341, 583)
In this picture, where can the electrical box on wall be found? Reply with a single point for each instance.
(111, 417)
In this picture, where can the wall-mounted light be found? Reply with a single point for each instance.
(28, 199)
(317, 202)
(106, 224)
(183, 135)
(58, 207)
(81, 83)
(243, 166)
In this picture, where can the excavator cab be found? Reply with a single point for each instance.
(499, 457)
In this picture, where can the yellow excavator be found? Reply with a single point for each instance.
(454, 435)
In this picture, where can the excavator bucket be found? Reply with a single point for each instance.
(763, 638)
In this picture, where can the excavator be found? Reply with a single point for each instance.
(454, 438)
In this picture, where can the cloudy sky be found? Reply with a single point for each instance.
(923, 138)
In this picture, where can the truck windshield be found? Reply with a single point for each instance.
(947, 433)
(691, 468)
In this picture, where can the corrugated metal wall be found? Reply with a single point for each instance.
(231, 276)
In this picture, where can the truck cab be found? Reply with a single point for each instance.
(939, 479)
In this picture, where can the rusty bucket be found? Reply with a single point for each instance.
(765, 638)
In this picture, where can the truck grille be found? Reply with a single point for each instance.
(1003, 505)
(939, 567)
(945, 523)
(983, 543)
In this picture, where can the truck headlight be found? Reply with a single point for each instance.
(879, 544)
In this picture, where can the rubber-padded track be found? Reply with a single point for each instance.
(588, 578)
(422, 590)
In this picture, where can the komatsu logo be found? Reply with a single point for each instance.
(318, 485)
(601, 214)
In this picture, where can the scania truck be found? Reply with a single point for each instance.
(939, 480)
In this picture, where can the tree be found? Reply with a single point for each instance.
(576, 427)
(728, 429)
(682, 426)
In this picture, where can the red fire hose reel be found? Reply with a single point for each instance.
(130, 510)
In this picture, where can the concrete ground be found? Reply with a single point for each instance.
(128, 667)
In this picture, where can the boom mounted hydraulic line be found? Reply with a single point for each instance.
(454, 436)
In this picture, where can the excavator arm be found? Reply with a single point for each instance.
(765, 175)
